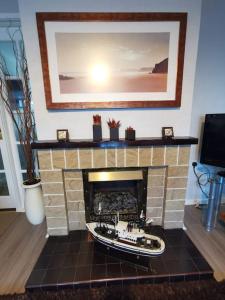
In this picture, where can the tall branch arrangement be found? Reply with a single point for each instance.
(20, 113)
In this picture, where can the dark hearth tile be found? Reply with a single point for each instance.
(82, 285)
(78, 235)
(60, 239)
(56, 261)
(62, 248)
(128, 270)
(86, 247)
(156, 230)
(70, 261)
(98, 272)
(51, 277)
(99, 248)
(144, 271)
(66, 275)
(192, 277)
(98, 284)
(84, 235)
(53, 239)
(202, 264)
(116, 283)
(83, 273)
(130, 280)
(173, 253)
(84, 258)
(178, 240)
(176, 278)
(158, 267)
(65, 286)
(43, 262)
(114, 271)
(112, 259)
(33, 289)
(176, 232)
(194, 252)
(49, 287)
(75, 235)
(74, 247)
(36, 278)
(146, 280)
(49, 247)
(205, 276)
(181, 267)
(98, 259)
(161, 279)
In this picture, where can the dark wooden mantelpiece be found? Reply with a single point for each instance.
(142, 142)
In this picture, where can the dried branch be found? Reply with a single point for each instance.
(21, 114)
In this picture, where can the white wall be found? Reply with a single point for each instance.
(147, 122)
(9, 6)
(209, 89)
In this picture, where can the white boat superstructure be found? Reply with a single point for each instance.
(126, 235)
(126, 238)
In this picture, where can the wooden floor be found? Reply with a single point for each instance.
(210, 244)
(20, 246)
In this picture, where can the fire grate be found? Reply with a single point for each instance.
(111, 201)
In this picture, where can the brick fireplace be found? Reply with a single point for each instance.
(61, 170)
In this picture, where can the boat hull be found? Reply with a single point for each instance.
(121, 246)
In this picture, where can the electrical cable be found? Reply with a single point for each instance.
(199, 177)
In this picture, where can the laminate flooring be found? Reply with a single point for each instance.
(210, 244)
(20, 246)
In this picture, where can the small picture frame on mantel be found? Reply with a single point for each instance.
(62, 135)
(167, 132)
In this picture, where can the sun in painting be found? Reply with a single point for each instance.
(99, 73)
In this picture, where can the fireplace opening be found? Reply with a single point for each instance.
(115, 190)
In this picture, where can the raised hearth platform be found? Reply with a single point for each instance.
(76, 261)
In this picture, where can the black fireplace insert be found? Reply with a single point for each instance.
(108, 191)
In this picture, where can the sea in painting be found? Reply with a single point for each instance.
(113, 62)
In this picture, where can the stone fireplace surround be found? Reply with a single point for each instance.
(61, 166)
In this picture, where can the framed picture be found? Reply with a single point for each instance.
(62, 135)
(112, 60)
(167, 132)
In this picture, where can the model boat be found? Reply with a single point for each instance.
(125, 237)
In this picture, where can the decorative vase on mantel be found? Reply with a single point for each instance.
(97, 128)
(130, 134)
(114, 129)
(114, 134)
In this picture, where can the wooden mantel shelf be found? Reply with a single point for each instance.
(142, 142)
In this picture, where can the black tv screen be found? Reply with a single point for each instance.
(213, 142)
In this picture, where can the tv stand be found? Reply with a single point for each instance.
(215, 197)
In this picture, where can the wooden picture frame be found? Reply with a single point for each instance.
(62, 135)
(55, 28)
(167, 132)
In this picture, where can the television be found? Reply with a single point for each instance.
(213, 141)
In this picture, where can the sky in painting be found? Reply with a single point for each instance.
(78, 52)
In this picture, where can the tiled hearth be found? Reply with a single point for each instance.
(76, 261)
(61, 176)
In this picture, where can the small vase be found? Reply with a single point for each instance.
(97, 132)
(114, 134)
(130, 135)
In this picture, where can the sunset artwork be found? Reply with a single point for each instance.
(112, 62)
